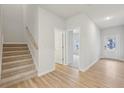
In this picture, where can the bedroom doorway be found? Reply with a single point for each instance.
(73, 48)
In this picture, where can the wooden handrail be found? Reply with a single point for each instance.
(31, 38)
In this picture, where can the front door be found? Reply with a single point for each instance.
(111, 46)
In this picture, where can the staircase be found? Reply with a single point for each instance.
(17, 64)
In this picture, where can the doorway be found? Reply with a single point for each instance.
(67, 47)
(73, 48)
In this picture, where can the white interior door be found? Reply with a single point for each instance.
(111, 46)
(58, 47)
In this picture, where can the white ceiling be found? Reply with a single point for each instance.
(98, 13)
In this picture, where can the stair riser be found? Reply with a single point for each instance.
(17, 64)
(7, 83)
(15, 58)
(15, 49)
(7, 66)
(15, 45)
(9, 74)
(15, 53)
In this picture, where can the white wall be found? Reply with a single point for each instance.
(89, 39)
(31, 17)
(42, 24)
(0, 42)
(0, 19)
(13, 23)
(69, 47)
(47, 23)
(114, 31)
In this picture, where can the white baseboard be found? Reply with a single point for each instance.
(48, 71)
(90, 65)
(14, 42)
(115, 59)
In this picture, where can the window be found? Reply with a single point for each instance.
(111, 44)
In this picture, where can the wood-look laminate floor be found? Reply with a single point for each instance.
(105, 73)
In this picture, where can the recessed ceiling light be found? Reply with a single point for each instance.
(107, 18)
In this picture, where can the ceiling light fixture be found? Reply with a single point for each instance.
(107, 18)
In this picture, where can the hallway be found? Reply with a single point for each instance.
(85, 34)
(105, 73)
